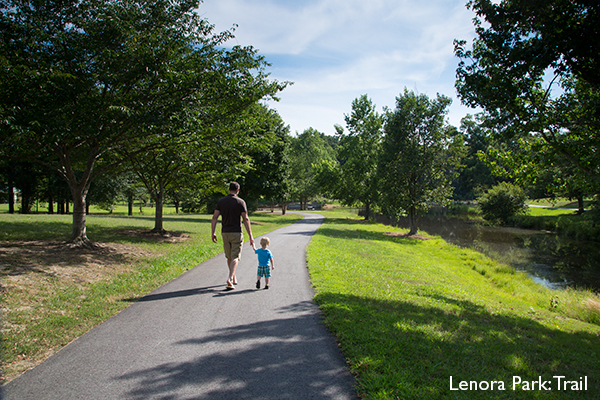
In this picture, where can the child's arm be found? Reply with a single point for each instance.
(272, 263)
(253, 246)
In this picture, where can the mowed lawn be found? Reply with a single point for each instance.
(51, 294)
(412, 314)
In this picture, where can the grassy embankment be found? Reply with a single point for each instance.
(409, 314)
(51, 295)
(560, 221)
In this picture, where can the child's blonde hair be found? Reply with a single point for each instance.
(264, 242)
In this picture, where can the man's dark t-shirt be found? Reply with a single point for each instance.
(231, 208)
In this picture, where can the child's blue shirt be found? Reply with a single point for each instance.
(264, 256)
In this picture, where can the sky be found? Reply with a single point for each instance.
(337, 50)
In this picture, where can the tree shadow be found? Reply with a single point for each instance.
(38, 230)
(340, 233)
(413, 350)
(287, 358)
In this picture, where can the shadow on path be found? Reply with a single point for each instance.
(260, 360)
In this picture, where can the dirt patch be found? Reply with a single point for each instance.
(27, 268)
(405, 235)
(168, 237)
(20, 259)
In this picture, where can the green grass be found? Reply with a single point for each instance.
(560, 202)
(120, 209)
(409, 314)
(45, 312)
(562, 222)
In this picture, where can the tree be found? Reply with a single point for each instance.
(528, 162)
(414, 156)
(269, 168)
(87, 84)
(523, 52)
(502, 202)
(306, 152)
(358, 153)
(476, 174)
(197, 164)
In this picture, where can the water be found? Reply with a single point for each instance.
(554, 261)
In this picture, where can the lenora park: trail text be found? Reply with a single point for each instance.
(557, 383)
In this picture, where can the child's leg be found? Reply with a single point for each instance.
(258, 281)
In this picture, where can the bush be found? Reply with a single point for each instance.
(502, 202)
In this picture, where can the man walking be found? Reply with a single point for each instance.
(232, 208)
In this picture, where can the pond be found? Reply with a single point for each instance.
(554, 261)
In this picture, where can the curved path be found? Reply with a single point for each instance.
(190, 339)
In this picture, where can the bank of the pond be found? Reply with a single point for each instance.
(556, 260)
(411, 315)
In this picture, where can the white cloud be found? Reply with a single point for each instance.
(336, 50)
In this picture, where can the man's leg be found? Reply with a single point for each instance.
(232, 267)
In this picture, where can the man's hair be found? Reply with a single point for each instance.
(234, 187)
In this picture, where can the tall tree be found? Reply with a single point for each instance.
(475, 174)
(358, 153)
(87, 83)
(306, 152)
(268, 175)
(414, 157)
(534, 67)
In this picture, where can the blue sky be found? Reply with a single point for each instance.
(336, 50)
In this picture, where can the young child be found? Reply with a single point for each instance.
(265, 262)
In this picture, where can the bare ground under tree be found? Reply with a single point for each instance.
(29, 266)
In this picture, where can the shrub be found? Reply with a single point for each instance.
(502, 202)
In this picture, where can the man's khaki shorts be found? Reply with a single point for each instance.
(232, 244)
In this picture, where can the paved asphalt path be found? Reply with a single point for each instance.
(190, 339)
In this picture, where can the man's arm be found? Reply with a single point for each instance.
(213, 225)
(246, 221)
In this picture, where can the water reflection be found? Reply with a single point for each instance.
(554, 261)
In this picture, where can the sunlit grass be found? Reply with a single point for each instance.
(411, 313)
(44, 311)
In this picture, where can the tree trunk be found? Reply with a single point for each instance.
(158, 214)
(79, 231)
(11, 200)
(283, 207)
(367, 210)
(50, 205)
(130, 205)
(25, 203)
(412, 221)
(580, 205)
(79, 190)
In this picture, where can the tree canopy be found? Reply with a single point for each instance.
(87, 84)
(534, 67)
(358, 153)
(414, 158)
